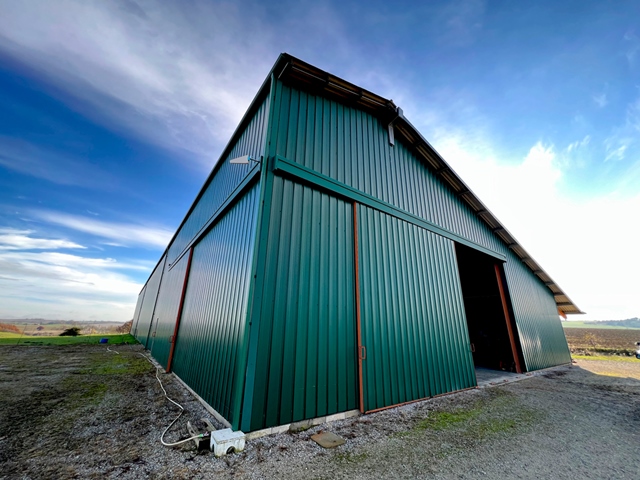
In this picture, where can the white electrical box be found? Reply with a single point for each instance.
(226, 441)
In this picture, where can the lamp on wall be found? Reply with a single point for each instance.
(244, 160)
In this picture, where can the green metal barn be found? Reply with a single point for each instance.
(333, 261)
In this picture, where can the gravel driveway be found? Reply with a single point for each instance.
(83, 412)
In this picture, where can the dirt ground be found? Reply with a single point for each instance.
(83, 412)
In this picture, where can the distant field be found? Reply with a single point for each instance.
(607, 341)
(594, 325)
(9, 335)
(15, 339)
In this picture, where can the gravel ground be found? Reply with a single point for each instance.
(83, 412)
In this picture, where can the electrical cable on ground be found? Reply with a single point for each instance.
(113, 351)
(179, 415)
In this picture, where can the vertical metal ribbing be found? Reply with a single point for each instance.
(412, 317)
(507, 317)
(215, 305)
(179, 313)
(361, 348)
(149, 303)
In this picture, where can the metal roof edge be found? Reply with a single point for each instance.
(485, 214)
(309, 77)
(262, 91)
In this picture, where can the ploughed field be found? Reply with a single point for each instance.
(602, 341)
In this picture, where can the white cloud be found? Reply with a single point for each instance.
(13, 239)
(586, 245)
(57, 285)
(124, 234)
(624, 135)
(52, 284)
(180, 77)
(601, 100)
(578, 144)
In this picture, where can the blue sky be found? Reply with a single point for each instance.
(113, 113)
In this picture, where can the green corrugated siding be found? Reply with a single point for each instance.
(412, 313)
(215, 306)
(540, 331)
(167, 311)
(145, 319)
(306, 358)
(352, 147)
(227, 177)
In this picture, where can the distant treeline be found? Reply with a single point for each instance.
(628, 323)
(42, 321)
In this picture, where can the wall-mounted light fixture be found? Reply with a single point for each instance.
(244, 160)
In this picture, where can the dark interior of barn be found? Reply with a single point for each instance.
(488, 332)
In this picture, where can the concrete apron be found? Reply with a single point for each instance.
(489, 378)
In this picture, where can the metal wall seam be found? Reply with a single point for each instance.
(166, 311)
(149, 303)
(306, 358)
(395, 175)
(136, 313)
(215, 306)
(540, 331)
(382, 170)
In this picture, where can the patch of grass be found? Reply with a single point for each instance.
(606, 358)
(444, 420)
(81, 339)
(348, 457)
(93, 393)
(83, 393)
(484, 418)
(118, 365)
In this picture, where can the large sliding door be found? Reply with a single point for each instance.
(414, 341)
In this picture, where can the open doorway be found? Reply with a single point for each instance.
(492, 334)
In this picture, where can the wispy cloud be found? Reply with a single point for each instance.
(14, 239)
(180, 77)
(53, 284)
(632, 44)
(121, 234)
(625, 135)
(63, 169)
(462, 21)
(578, 144)
(600, 100)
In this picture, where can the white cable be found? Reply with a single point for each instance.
(201, 435)
(113, 351)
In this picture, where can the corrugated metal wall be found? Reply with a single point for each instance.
(352, 147)
(167, 310)
(136, 313)
(215, 306)
(306, 358)
(412, 313)
(149, 304)
(226, 179)
(540, 332)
